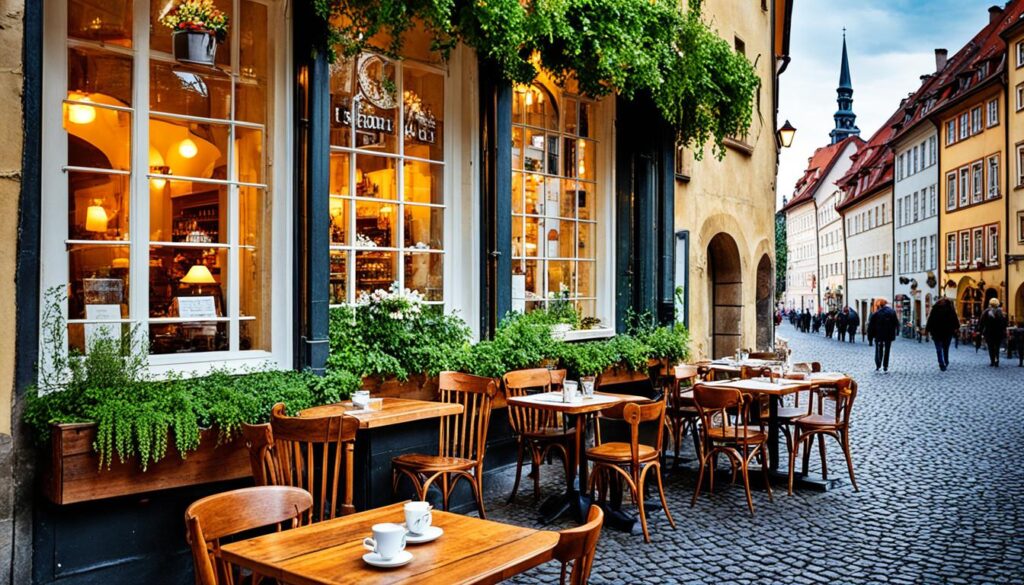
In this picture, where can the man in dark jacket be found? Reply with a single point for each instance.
(830, 324)
(883, 325)
(943, 324)
(852, 323)
(993, 328)
(841, 320)
(805, 321)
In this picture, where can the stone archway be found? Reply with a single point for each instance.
(726, 283)
(1018, 304)
(763, 300)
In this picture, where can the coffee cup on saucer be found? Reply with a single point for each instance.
(388, 540)
(418, 517)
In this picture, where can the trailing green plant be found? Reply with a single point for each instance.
(137, 416)
(394, 333)
(698, 82)
(669, 342)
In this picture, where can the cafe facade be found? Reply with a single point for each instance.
(218, 210)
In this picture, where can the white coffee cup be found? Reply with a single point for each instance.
(570, 391)
(388, 540)
(361, 398)
(418, 517)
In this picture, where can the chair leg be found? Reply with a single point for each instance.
(635, 485)
(792, 458)
(763, 456)
(519, 470)
(476, 484)
(711, 471)
(821, 452)
(809, 439)
(849, 460)
(746, 483)
(538, 460)
(700, 480)
(661, 493)
(444, 490)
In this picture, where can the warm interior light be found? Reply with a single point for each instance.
(120, 263)
(336, 206)
(198, 274)
(529, 98)
(81, 113)
(96, 218)
(786, 134)
(187, 148)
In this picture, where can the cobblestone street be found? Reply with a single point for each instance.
(940, 467)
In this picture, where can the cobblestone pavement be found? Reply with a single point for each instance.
(939, 461)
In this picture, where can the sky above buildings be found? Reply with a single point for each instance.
(891, 44)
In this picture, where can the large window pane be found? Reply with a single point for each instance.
(253, 57)
(97, 206)
(424, 273)
(255, 298)
(188, 211)
(376, 176)
(174, 89)
(249, 155)
(254, 217)
(98, 279)
(339, 277)
(424, 227)
(375, 270)
(98, 137)
(96, 71)
(189, 149)
(106, 21)
(376, 225)
(176, 272)
(424, 182)
(188, 337)
(423, 97)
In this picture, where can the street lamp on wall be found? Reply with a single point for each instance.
(786, 134)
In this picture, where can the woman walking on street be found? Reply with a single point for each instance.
(883, 325)
(993, 328)
(942, 325)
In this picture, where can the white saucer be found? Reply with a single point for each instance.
(431, 534)
(398, 560)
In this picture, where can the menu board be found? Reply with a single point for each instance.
(96, 331)
(197, 307)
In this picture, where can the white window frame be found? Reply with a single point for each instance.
(54, 270)
(931, 252)
(951, 250)
(977, 182)
(965, 186)
(992, 244)
(932, 146)
(1020, 96)
(951, 190)
(965, 249)
(993, 112)
(965, 125)
(932, 201)
(977, 246)
(976, 120)
(992, 171)
(951, 132)
(1020, 164)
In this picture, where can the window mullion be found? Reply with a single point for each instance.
(138, 226)
(234, 255)
(400, 179)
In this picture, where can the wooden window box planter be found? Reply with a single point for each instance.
(73, 474)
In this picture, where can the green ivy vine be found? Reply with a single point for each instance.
(701, 86)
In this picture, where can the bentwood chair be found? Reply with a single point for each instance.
(538, 432)
(832, 419)
(680, 411)
(315, 454)
(576, 546)
(222, 515)
(632, 461)
(259, 441)
(788, 414)
(462, 441)
(737, 440)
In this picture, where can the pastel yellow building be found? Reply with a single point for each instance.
(1014, 96)
(970, 112)
(725, 209)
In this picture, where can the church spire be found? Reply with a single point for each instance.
(845, 118)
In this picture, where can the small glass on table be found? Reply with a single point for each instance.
(587, 383)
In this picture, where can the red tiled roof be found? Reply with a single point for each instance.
(872, 167)
(980, 61)
(818, 166)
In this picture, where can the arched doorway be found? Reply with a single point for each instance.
(1018, 305)
(764, 304)
(968, 299)
(726, 295)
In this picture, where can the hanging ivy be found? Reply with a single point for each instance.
(700, 85)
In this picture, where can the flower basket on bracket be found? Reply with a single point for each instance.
(194, 46)
(199, 26)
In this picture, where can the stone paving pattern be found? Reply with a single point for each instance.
(939, 463)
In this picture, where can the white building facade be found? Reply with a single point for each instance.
(869, 267)
(831, 251)
(802, 257)
(916, 225)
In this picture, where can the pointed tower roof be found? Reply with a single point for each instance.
(844, 70)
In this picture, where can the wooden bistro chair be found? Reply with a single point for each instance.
(632, 461)
(736, 439)
(831, 419)
(222, 515)
(461, 445)
(577, 546)
(681, 412)
(788, 414)
(538, 432)
(315, 454)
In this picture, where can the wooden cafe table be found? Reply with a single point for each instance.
(393, 411)
(330, 552)
(572, 501)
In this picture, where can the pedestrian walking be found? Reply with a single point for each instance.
(816, 323)
(841, 320)
(883, 325)
(805, 321)
(852, 323)
(830, 323)
(943, 324)
(993, 327)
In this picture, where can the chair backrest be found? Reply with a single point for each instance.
(578, 545)
(684, 377)
(747, 372)
(226, 514)
(715, 405)
(807, 367)
(259, 440)
(465, 435)
(839, 400)
(316, 454)
(636, 413)
(523, 419)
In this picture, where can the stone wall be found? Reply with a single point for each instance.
(15, 552)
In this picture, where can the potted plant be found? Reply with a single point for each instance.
(198, 27)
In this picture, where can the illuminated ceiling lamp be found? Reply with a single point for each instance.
(81, 113)
(188, 148)
(157, 167)
(96, 218)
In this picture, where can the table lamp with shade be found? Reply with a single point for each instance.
(96, 218)
(198, 275)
